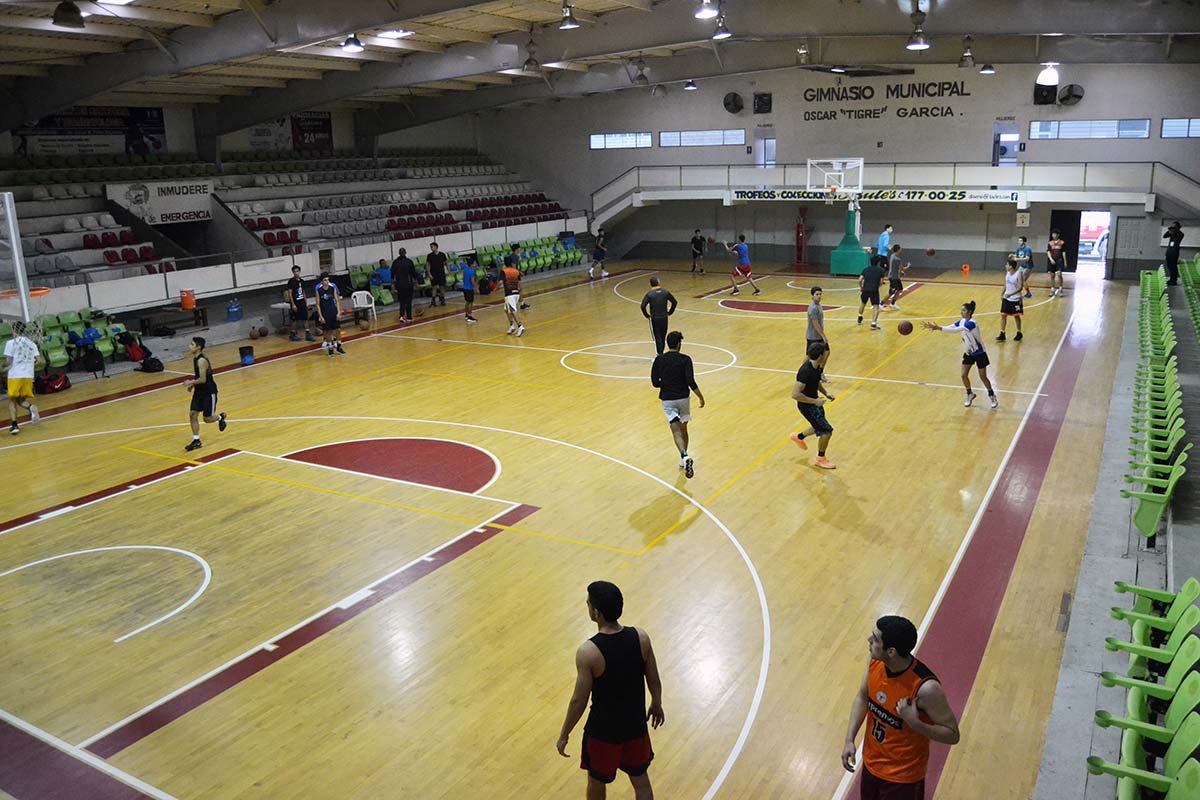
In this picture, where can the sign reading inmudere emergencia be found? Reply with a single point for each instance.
(165, 202)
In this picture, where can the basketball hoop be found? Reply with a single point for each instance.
(11, 310)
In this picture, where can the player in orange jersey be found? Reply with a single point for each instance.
(905, 706)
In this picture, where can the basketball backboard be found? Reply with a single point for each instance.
(835, 176)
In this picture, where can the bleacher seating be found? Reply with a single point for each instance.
(1161, 729)
(58, 348)
(59, 244)
(1157, 416)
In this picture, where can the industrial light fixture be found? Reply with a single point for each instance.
(917, 41)
(837, 69)
(352, 44)
(67, 15)
(722, 32)
(690, 86)
(640, 79)
(967, 59)
(114, 2)
(531, 63)
(707, 10)
(569, 23)
(987, 69)
(398, 33)
(1049, 75)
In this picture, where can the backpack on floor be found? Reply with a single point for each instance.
(151, 364)
(49, 384)
(93, 360)
(135, 352)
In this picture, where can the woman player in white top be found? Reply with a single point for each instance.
(1011, 304)
(973, 351)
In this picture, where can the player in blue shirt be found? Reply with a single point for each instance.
(328, 310)
(973, 352)
(468, 286)
(742, 269)
(1024, 258)
(884, 247)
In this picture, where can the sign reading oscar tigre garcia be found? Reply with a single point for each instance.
(899, 92)
(165, 202)
(886, 195)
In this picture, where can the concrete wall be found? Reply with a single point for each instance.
(459, 132)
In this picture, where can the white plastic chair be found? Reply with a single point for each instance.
(363, 300)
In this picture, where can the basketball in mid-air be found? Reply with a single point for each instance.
(929, 251)
(905, 327)
(712, 240)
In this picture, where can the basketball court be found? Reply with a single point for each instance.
(372, 583)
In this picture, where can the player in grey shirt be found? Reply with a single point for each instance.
(816, 324)
(895, 288)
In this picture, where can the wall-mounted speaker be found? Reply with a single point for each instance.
(1045, 95)
(733, 102)
(762, 102)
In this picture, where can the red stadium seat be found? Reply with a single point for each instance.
(276, 222)
(127, 237)
(294, 235)
(269, 239)
(91, 241)
(129, 255)
(150, 269)
(146, 252)
(112, 257)
(250, 224)
(393, 211)
(109, 239)
(287, 251)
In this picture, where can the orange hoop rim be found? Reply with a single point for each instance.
(34, 291)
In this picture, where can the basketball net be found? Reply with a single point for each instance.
(11, 311)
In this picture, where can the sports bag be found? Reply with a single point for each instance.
(52, 383)
(151, 364)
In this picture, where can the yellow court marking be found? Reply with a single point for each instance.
(390, 503)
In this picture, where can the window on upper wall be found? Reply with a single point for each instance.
(701, 138)
(1090, 129)
(621, 141)
(1181, 128)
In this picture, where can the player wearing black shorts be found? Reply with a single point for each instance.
(974, 354)
(298, 304)
(868, 291)
(699, 245)
(204, 393)
(806, 394)
(614, 668)
(436, 262)
(1011, 300)
(328, 311)
(895, 286)
(1056, 262)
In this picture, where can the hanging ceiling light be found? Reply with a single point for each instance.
(722, 32)
(398, 33)
(67, 15)
(690, 86)
(967, 59)
(837, 69)
(352, 44)
(707, 10)
(1049, 75)
(531, 63)
(569, 23)
(640, 79)
(987, 69)
(802, 49)
(917, 41)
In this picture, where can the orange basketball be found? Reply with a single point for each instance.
(929, 251)
(905, 327)
(712, 240)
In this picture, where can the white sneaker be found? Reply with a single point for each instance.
(521, 330)
(589, 272)
(603, 274)
(970, 399)
(875, 327)
(895, 307)
(682, 462)
(511, 328)
(995, 401)
(34, 416)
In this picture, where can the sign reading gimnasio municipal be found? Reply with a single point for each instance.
(922, 195)
(165, 202)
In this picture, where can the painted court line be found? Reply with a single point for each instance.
(723, 289)
(162, 712)
(204, 566)
(955, 386)
(36, 765)
(105, 494)
(954, 632)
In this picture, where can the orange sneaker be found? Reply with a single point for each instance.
(823, 463)
(795, 437)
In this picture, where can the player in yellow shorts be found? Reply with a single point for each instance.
(21, 357)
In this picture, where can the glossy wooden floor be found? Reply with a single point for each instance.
(455, 686)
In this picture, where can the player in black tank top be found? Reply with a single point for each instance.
(204, 393)
(614, 668)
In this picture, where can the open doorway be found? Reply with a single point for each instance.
(1093, 242)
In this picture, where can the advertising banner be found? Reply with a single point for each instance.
(165, 202)
(89, 130)
(886, 195)
(307, 130)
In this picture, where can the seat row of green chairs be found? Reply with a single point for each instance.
(100, 174)
(1160, 737)
(1158, 445)
(1189, 272)
(538, 255)
(54, 332)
